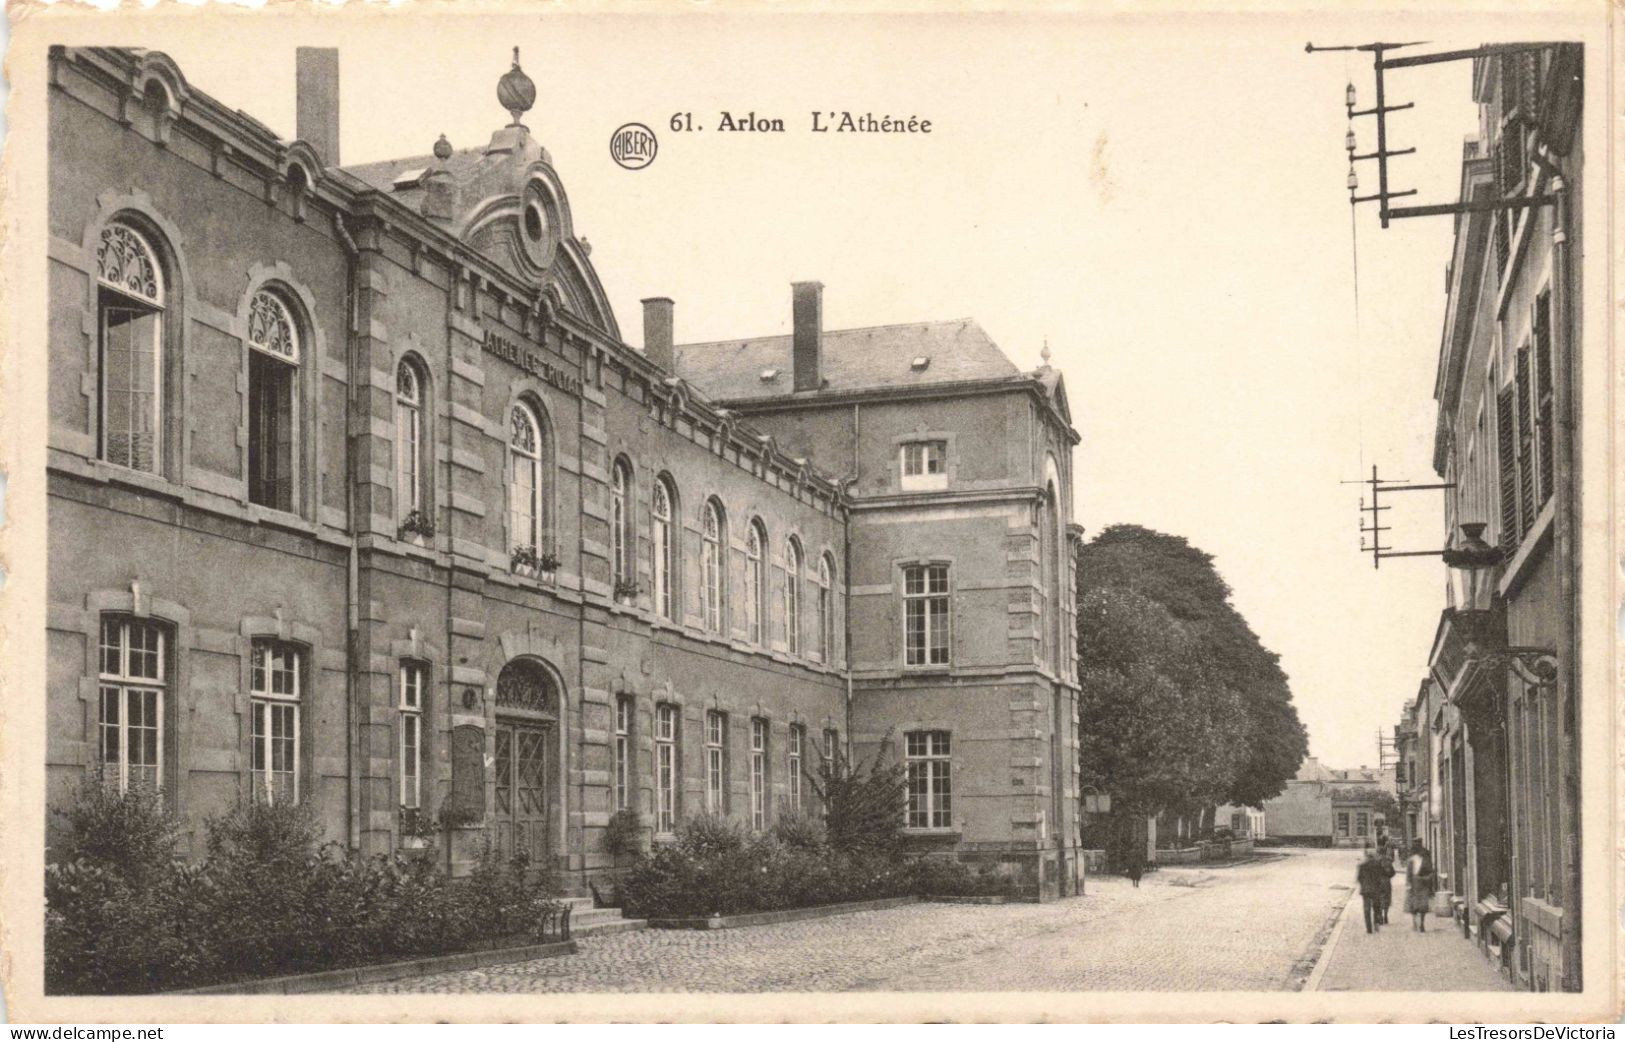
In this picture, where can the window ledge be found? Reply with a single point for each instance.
(952, 832)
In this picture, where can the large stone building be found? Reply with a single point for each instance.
(358, 497)
(1499, 712)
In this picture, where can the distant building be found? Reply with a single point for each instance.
(1325, 806)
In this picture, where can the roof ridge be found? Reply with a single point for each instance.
(850, 329)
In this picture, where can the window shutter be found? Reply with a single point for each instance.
(1505, 449)
(1526, 440)
(1543, 392)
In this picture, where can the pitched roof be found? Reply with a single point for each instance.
(381, 175)
(876, 356)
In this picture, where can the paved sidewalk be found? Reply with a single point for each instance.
(1398, 958)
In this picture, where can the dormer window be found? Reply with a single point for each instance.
(924, 465)
(410, 179)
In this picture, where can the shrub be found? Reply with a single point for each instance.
(266, 900)
(865, 801)
(624, 834)
(797, 829)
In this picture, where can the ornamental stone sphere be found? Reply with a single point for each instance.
(515, 90)
(442, 148)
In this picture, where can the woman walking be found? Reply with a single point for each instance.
(1420, 881)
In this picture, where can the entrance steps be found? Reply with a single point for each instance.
(587, 921)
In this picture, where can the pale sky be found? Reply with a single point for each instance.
(1162, 199)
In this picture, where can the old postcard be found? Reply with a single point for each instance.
(754, 513)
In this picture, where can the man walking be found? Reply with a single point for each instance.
(1372, 881)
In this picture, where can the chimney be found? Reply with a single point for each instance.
(807, 345)
(317, 93)
(657, 332)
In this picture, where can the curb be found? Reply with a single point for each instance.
(355, 976)
(1326, 950)
(729, 922)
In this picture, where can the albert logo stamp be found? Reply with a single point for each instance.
(633, 146)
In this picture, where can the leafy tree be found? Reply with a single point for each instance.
(1172, 669)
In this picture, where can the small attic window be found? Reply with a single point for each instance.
(410, 179)
(920, 363)
(769, 375)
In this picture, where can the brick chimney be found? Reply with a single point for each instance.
(657, 332)
(317, 100)
(807, 344)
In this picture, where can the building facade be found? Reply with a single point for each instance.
(406, 531)
(1331, 807)
(1501, 707)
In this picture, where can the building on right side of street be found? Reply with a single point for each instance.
(1498, 716)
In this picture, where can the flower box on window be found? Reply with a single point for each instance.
(417, 527)
(626, 590)
(527, 561)
(418, 829)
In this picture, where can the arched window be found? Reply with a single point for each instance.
(130, 329)
(792, 596)
(755, 582)
(524, 479)
(622, 539)
(711, 566)
(273, 401)
(826, 610)
(408, 440)
(663, 566)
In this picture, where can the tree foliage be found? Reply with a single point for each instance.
(1183, 706)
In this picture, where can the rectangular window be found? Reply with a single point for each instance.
(758, 773)
(413, 675)
(665, 767)
(1343, 823)
(132, 354)
(1526, 445)
(623, 752)
(793, 764)
(270, 431)
(716, 762)
(1362, 824)
(924, 465)
(827, 754)
(1542, 361)
(1507, 461)
(930, 791)
(925, 614)
(274, 687)
(131, 722)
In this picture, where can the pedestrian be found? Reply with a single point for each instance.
(1134, 865)
(1371, 882)
(1385, 862)
(1420, 881)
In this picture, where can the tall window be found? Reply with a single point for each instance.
(711, 565)
(832, 739)
(273, 367)
(924, 465)
(524, 479)
(925, 614)
(755, 583)
(274, 687)
(665, 767)
(826, 611)
(798, 737)
(408, 439)
(622, 540)
(663, 566)
(758, 773)
(716, 761)
(413, 675)
(130, 314)
(792, 596)
(930, 789)
(131, 727)
(623, 752)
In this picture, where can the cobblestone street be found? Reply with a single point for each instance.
(1253, 927)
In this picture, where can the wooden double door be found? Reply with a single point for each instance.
(523, 771)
